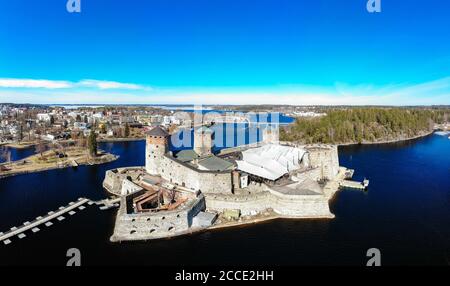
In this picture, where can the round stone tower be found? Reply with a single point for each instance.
(203, 141)
(155, 148)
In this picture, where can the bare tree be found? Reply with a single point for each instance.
(63, 147)
(40, 148)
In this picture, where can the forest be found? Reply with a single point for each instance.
(364, 125)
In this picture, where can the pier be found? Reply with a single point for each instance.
(347, 184)
(46, 220)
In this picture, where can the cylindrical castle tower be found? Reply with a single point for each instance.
(203, 141)
(156, 146)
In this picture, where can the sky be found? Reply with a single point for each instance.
(299, 52)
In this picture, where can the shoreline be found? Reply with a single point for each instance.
(273, 216)
(389, 141)
(220, 226)
(19, 146)
(112, 140)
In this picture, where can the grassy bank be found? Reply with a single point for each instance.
(50, 160)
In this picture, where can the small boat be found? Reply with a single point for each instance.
(366, 183)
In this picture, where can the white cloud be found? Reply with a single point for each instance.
(110, 84)
(107, 92)
(55, 84)
(33, 83)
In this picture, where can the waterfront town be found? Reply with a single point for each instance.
(61, 136)
(199, 186)
(23, 125)
(26, 124)
(182, 191)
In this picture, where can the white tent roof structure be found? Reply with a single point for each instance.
(271, 161)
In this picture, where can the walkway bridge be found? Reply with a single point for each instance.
(43, 220)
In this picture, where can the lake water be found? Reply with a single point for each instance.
(405, 213)
(19, 154)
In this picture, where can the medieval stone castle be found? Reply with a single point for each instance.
(196, 189)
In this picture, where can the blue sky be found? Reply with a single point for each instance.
(225, 52)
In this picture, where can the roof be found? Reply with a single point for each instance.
(157, 131)
(204, 129)
(266, 172)
(304, 186)
(213, 163)
(187, 155)
(271, 161)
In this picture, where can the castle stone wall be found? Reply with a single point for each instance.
(181, 174)
(113, 178)
(325, 158)
(142, 226)
(285, 205)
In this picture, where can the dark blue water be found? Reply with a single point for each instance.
(405, 213)
(19, 154)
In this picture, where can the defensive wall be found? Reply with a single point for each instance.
(155, 225)
(258, 202)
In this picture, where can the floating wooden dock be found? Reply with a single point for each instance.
(347, 184)
(46, 220)
(108, 203)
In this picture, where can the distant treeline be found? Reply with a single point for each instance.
(359, 125)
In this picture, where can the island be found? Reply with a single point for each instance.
(191, 190)
(53, 159)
